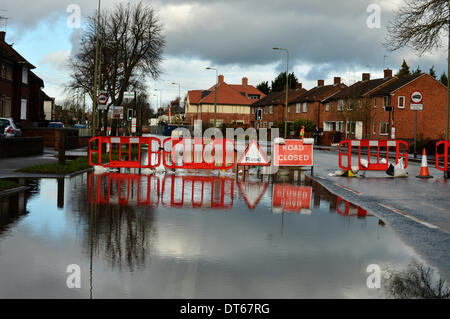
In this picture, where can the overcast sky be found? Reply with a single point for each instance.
(325, 38)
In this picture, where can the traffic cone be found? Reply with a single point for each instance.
(424, 173)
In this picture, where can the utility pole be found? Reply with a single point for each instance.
(215, 96)
(287, 89)
(446, 173)
(94, 105)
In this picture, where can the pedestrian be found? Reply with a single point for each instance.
(302, 132)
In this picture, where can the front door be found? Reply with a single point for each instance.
(359, 130)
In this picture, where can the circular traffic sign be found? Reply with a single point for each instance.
(102, 99)
(417, 97)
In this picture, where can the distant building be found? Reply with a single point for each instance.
(21, 95)
(233, 103)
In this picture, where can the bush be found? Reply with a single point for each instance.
(428, 144)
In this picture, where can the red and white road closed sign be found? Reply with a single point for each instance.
(291, 198)
(293, 153)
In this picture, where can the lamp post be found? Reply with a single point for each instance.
(287, 88)
(94, 104)
(179, 94)
(215, 96)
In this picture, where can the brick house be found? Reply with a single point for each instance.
(21, 96)
(233, 103)
(273, 108)
(350, 111)
(430, 121)
(310, 104)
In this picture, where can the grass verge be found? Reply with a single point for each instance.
(4, 185)
(79, 164)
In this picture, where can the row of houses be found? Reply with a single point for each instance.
(21, 94)
(355, 111)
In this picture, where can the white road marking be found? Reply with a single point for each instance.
(397, 211)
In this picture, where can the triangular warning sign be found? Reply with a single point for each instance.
(253, 156)
(252, 192)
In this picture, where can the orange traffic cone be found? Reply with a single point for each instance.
(424, 173)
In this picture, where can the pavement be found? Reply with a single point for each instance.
(8, 166)
(418, 210)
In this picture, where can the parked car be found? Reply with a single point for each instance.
(55, 125)
(80, 126)
(8, 128)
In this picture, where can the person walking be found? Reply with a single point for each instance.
(302, 132)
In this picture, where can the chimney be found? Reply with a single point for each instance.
(337, 80)
(2, 36)
(244, 81)
(299, 86)
(387, 73)
(320, 83)
(366, 76)
(221, 78)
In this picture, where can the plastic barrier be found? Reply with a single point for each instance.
(444, 156)
(370, 145)
(198, 192)
(124, 158)
(123, 189)
(198, 153)
(359, 211)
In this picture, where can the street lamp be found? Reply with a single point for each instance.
(179, 94)
(287, 88)
(215, 96)
(94, 104)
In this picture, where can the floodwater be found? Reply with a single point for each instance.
(191, 236)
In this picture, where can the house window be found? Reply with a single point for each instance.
(327, 107)
(360, 103)
(270, 124)
(271, 109)
(327, 126)
(340, 126)
(350, 127)
(401, 102)
(374, 128)
(9, 72)
(384, 128)
(265, 109)
(265, 124)
(374, 102)
(297, 108)
(23, 110)
(305, 107)
(24, 75)
(340, 105)
(385, 101)
(350, 104)
(253, 110)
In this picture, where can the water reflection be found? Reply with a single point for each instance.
(418, 281)
(149, 237)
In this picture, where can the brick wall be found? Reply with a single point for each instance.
(21, 146)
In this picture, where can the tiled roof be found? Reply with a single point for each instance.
(226, 94)
(360, 88)
(315, 94)
(396, 84)
(279, 97)
(8, 51)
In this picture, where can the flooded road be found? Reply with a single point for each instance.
(191, 236)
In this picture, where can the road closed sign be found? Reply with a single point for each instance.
(291, 198)
(293, 153)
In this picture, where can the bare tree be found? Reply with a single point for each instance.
(131, 47)
(422, 25)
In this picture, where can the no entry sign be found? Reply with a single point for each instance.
(293, 153)
(291, 198)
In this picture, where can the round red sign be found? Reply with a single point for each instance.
(417, 97)
(102, 99)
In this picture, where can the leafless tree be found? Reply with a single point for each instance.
(419, 24)
(130, 50)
